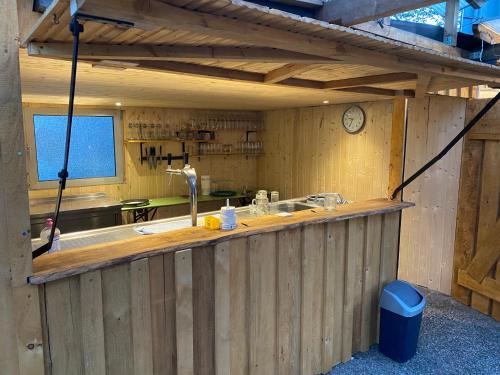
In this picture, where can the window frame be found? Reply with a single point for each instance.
(32, 161)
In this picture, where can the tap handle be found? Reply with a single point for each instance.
(186, 158)
(169, 160)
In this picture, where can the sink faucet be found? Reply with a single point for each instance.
(190, 174)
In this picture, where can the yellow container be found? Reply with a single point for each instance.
(212, 222)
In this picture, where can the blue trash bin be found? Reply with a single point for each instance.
(401, 307)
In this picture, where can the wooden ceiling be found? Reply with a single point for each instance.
(47, 81)
(196, 58)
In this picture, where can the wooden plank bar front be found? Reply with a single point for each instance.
(296, 300)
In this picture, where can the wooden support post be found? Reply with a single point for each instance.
(397, 145)
(20, 325)
(451, 22)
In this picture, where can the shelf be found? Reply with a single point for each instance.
(229, 154)
(169, 140)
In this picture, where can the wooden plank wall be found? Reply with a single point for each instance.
(140, 181)
(476, 270)
(297, 301)
(428, 230)
(21, 349)
(307, 152)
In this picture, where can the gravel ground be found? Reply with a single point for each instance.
(454, 339)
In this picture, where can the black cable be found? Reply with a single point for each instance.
(76, 28)
(445, 150)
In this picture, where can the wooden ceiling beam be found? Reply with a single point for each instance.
(156, 14)
(247, 77)
(173, 53)
(476, 4)
(210, 72)
(287, 71)
(379, 91)
(302, 3)
(32, 27)
(348, 13)
(410, 38)
(370, 80)
(488, 31)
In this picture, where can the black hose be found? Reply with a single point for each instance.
(445, 150)
(76, 28)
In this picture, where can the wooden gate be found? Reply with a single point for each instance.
(476, 279)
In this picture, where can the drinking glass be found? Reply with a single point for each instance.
(331, 202)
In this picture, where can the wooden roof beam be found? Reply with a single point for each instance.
(370, 80)
(302, 3)
(32, 25)
(379, 91)
(287, 71)
(209, 71)
(247, 77)
(159, 14)
(488, 31)
(348, 13)
(476, 4)
(173, 53)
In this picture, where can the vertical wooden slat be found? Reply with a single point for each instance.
(467, 214)
(262, 320)
(170, 349)
(397, 145)
(312, 298)
(222, 297)
(239, 306)
(184, 312)
(21, 333)
(333, 294)
(355, 242)
(289, 301)
(64, 321)
(157, 297)
(388, 253)
(203, 310)
(371, 261)
(389, 249)
(47, 363)
(117, 320)
(92, 323)
(141, 317)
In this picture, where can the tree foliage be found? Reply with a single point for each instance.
(427, 15)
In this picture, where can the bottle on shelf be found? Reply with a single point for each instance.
(45, 235)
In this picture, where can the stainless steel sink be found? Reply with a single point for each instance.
(292, 206)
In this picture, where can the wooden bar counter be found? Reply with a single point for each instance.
(292, 295)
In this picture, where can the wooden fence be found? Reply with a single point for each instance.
(476, 279)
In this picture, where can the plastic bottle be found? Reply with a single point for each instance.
(45, 235)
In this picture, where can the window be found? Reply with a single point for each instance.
(96, 153)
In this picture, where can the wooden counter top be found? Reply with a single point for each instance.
(66, 263)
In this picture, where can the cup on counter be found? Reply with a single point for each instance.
(260, 205)
(330, 201)
(275, 197)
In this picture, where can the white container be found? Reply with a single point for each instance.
(205, 185)
(228, 216)
(45, 236)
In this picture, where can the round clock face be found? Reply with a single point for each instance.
(353, 119)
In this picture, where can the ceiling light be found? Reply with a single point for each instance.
(118, 104)
(326, 101)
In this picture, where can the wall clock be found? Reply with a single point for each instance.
(353, 119)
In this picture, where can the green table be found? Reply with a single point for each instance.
(143, 212)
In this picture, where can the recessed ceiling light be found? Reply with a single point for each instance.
(326, 101)
(118, 104)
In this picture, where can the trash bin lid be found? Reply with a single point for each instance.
(402, 298)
